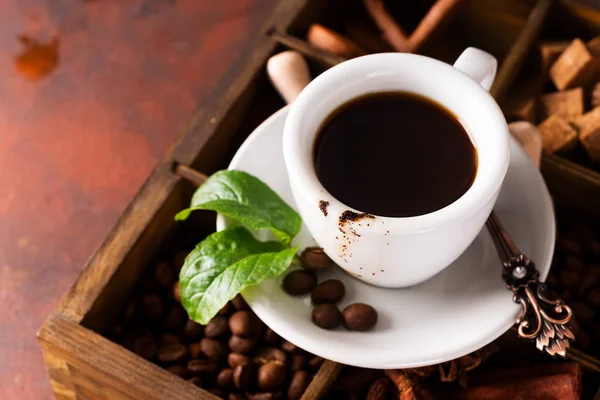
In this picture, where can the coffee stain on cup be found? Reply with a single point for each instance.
(38, 59)
(346, 222)
(323, 204)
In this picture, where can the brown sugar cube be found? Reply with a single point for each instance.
(567, 104)
(557, 134)
(520, 108)
(589, 132)
(574, 67)
(549, 52)
(595, 96)
(593, 47)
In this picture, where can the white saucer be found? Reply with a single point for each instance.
(461, 309)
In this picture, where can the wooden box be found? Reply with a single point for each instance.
(81, 362)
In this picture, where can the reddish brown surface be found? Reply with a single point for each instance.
(92, 93)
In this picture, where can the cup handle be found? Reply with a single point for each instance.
(479, 65)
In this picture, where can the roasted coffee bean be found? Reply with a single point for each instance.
(152, 306)
(360, 317)
(176, 318)
(596, 332)
(574, 264)
(244, 376)
(216, 327)
(271, 376)
(167, 338)
(179, 260)
(213, 349)
(217, 392)
(552, 293)
(380, 389)
(298, 385)
(235, 359)
(199, 367)
(245, 324)
(236, 396)
(264, 396)
(570, 279)
(226, 309)
(290, 347)
(171, 353)
(298, 362)
(239, 303)
(552, 280)
(314, 258)
(270, 337)
(583, 313)
(566, 296)
(299, 282)
(356, 380)
(574, 327)
(144, 345)
(330, 291)
(327, 316)
(569, 246)
(341, 394)
(193, 330)
(266, 354)
(114, 333)
(225, 379)
(147, 285)
(315, 363)
(176, 292)
(583, 341)
(241, 345)
(593, 298)
(593, 247)
(129, 313)
(196, 380)
(591, 279)
(179, 370)
(194, 350)
(164, 275)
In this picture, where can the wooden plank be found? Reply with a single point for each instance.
(60, 380)
(99, 368)
(572, 184)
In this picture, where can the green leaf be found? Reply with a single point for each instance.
(224, 264)
(247, 199)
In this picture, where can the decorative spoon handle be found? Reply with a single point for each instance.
(542, 319)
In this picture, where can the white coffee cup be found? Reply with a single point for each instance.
(399, 252)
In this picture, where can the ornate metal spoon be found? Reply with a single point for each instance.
(542, 319)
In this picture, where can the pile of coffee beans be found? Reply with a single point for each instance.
(326, 315)
(575, 276)
(362, 383)
(235, 356)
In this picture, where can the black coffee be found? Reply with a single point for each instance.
(394, 154)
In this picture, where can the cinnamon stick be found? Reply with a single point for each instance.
(514, 59)
(440, 11)
(333, 42)
(389, 28)
(324, 57)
